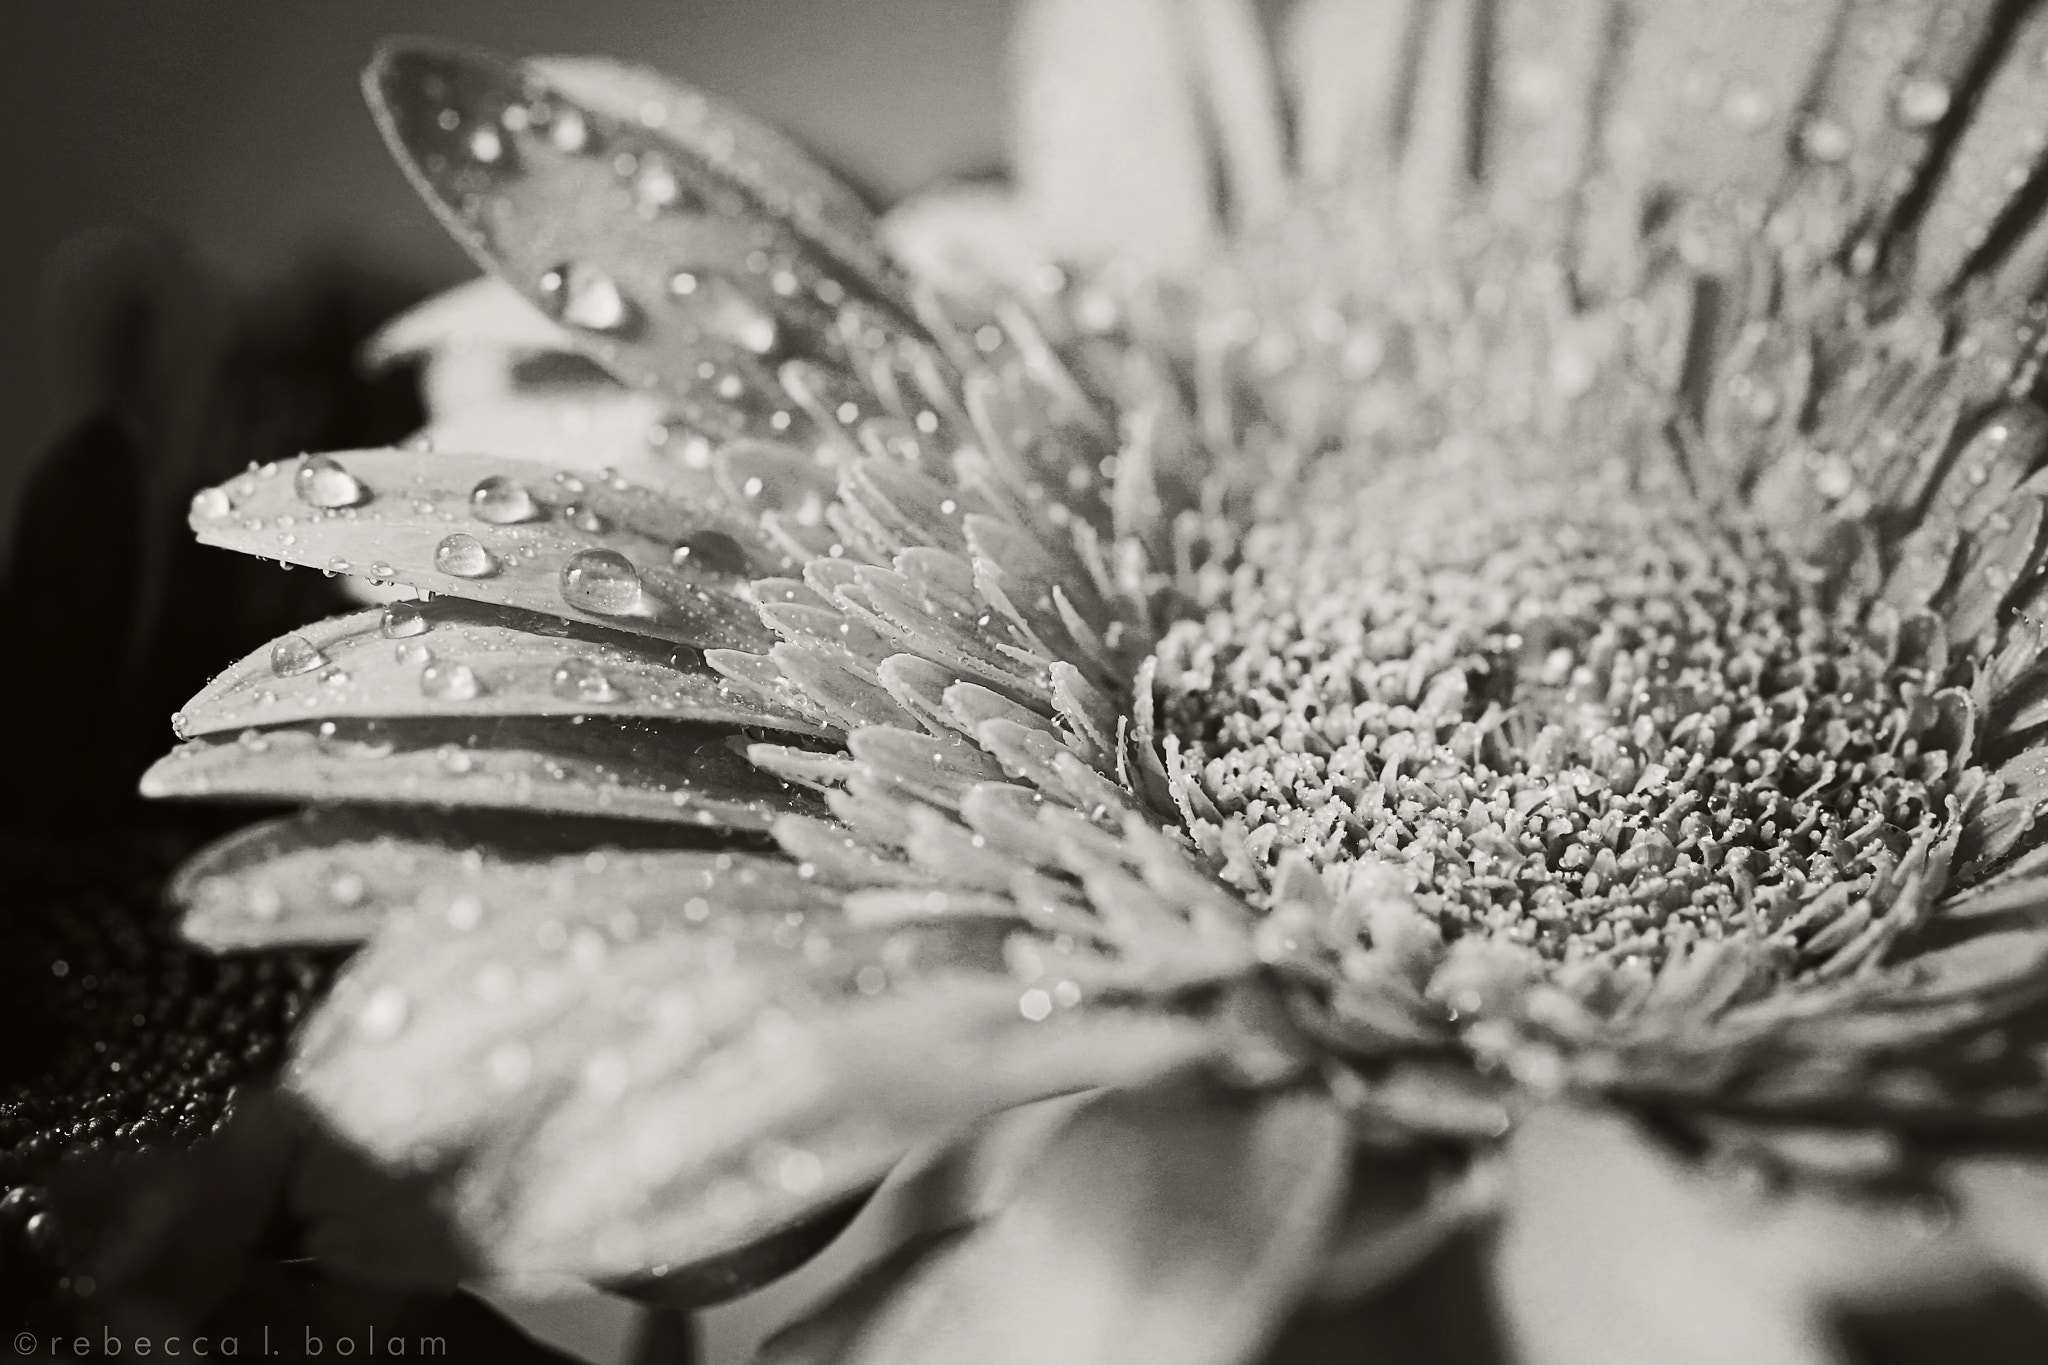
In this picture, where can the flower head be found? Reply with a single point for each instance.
(1536, 601)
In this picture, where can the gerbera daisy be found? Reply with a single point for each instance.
(1391, 622)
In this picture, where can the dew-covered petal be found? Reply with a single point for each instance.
(638, 770)
(491, 531)
(337, 875)
(623, 1101)
(1614, 1252)
(688, 248)
(1154, 1227)
(449, 657)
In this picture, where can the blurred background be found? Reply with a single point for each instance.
(236, 126)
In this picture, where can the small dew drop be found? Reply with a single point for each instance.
(580, 680)
(1035, 1005)
(320, 482)
(348, 888)
(464, 556)
(486, 145)
(570, 132)
(602, 582)
(586, 297)
(293, 655)
(1824, 141)
(402, 620)
(502, 501)
(1920, 102)
(384, 1014)
(583, 518)
(211, 504)
(450, 682)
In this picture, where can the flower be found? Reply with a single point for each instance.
(1522, 626)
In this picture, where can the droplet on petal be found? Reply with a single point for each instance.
(579, 679)
(464, 556)
(211, 503)
(502, 501)
(583, 518)
(450, 682)
(293, 655)
(320, 482)
(602, 582)
(1920, 102)
(402, 620)
(384, 1014)
(584, 296)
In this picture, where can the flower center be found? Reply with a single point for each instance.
(1567, 718)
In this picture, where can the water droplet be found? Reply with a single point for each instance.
(602, 582)
(1920, 102)
(711, 552)
(1824, 141)
(320, 482)
(655, 186)
(383, 1015)
(580, 516)
(586, 297)
(501, 501)
(726, 310)
(265, 902)
(293, 655)
(348, 888)
(464, 556)
(465, 912)
(450, 682)
(402, 620)
(799, 1172)
(1747, 109)
(211, 503)
(581, 680)
(485, 145)
(570, 132)
(454, 759)
(1035, 1005)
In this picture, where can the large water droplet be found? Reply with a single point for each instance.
(1920, 102)
(450, 682)
(402, 620)
(580, 680)
(293, 655)
(321, 482)
(502, 501)
(211, 504)
(464, 556)
(586, 297)
(602, 582)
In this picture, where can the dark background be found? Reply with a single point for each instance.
(237, 126)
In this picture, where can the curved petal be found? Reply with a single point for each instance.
(449, 657)
(1612, 1252)
(625, 1091)
(647, 770)
(1154, 1228)
(594, 550)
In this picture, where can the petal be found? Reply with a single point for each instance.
(644, 770)
(1107, 142)
(690, 249)
(449, 657)
(483, 313)
(1155, 1227)
(667, 1071)
(597, 550)
(1613, 1252)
